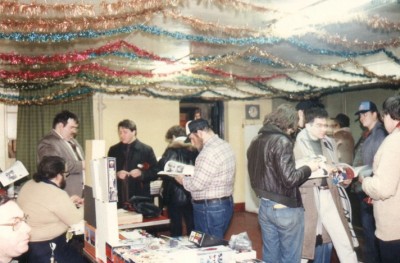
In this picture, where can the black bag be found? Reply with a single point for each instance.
(145, 206)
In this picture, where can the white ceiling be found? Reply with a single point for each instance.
(307, 29)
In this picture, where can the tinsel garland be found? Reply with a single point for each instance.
(116, 76)
(198, 77)
(80, 90)
(295, 42)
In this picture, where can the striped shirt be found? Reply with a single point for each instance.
(214, 171)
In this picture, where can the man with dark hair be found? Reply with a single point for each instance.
(14, 231)
(324, 213)
(211, 185)
(344, 139)
(276, 181)
(384, 186)
(60, 141)
(343, 120)
(136, 164)
(365, 151)
(301, 107)
(50, 213)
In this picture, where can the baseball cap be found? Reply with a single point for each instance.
(366, 106)
(196, 125)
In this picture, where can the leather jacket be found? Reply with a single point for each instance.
(173, 192)
(271, 166)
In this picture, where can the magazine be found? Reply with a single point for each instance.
(14, 173)
(174, 168)
(344, 171)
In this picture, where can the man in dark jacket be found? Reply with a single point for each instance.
(276, 181)
(136, 164)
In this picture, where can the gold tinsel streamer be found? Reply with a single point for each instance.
(23, 10)
(42, 25)
(14, 8)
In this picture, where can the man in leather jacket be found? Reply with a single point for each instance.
(276, 181)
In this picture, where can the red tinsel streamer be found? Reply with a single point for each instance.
(94, 67)
(15, 59)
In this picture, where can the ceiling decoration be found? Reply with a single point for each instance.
(214, 49)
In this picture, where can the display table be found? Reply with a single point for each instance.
(141, 247)
(147, 222)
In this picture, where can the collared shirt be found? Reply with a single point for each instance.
(214, 171)
(76, 153)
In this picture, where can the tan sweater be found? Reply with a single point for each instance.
(384, 188)
(50, 210)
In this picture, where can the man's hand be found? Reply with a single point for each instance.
(360, 178)
(135, 173)
(78, 201)
(179, 178)
(314, 164)
(122, 174)
(346, 182)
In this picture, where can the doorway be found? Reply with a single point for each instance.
(212, 111)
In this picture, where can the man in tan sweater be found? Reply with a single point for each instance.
(50, 213)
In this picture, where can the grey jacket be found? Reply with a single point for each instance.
(53, 145)
(304, 148)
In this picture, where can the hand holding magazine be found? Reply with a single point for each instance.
(343, 171)
(174, 168)
(14, 173)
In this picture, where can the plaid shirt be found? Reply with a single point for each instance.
(214, 171)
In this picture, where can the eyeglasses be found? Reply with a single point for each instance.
(320, 125)
(16, 225)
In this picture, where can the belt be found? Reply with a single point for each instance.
(211, 200)
(323, 187)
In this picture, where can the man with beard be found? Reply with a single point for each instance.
(50, 213)
(60, 141)
(211, 185)
(14, 232)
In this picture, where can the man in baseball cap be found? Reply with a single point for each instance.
(366, 106)
(365, 151)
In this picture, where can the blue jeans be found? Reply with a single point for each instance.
(371, 249)
(213, 217)
(323, 253)
(282, 232)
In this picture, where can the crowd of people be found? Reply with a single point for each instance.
(304, 211)
(291, 163)
(51, 202)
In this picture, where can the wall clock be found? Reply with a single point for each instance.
(252, 111)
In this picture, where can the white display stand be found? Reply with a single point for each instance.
(106, 211)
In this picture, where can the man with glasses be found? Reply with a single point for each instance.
(60, 141)
(14, 232)
(325, 221)
(365, 150)
(51, 212)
